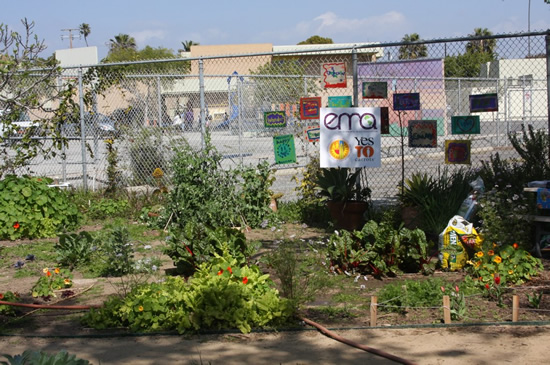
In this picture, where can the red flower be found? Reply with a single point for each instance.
(487, 286)
(49, 273)
(220, 272)
(16, 225)
(497, 280)
(515, 245)
(1, 296)
(229, 269)
(245, 280)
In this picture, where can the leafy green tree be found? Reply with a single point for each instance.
(317, 40)
(32, 93)
(414, 50)
(85, 30)
(478, 51)
(122, 41)
(481, 45)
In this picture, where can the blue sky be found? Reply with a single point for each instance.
(166, 23)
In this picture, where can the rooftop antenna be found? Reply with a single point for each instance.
(71, 36)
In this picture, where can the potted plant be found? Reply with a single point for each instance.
(346, 200)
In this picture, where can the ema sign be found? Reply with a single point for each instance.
(350, 137)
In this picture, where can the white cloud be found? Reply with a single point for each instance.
(145, 36)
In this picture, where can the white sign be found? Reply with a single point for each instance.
(350, 137)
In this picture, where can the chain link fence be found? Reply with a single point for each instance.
(151, 107)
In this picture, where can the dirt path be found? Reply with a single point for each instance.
(454, 345)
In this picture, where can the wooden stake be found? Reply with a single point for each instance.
(373, 310)
(446, 309)
(515, 308)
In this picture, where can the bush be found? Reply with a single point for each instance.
(29, 357)
(221, 295)
(29, 208)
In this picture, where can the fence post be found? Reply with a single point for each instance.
(547, 38)
(82, 131)
(203, 104)
(515, 308)
(373, 310)
(446, 309)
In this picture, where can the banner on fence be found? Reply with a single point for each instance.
(350, 137)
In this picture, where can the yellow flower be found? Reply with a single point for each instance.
(140, 308)
(494, 244)
(158, 173)
(479, 254)
(478, 264)
(510, 272)
(45, 270)
(56, 270)
(497, 259)
(67, 281)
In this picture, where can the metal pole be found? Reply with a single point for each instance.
(159, 103)
(355, 77)
(203, 104)
(529, 29)
(547, 38)
(240, 103)
(82, 132)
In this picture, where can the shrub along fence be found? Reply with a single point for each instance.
(472, 92)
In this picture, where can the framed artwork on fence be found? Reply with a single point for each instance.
(284, 149)
(468, 124)
(457, 152)
(333, 75)
(423, 133)
(375, 90)
(313, 134)
(339, 101)
(310, 108)
(275, 119)
(407, 101)
(483, 103)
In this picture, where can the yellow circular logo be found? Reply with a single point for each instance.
(339, 149)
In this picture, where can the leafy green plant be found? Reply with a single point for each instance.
(29, 357)
(535, 299)
(533, 146)
(29, 208)
(220, 295)
(397, 297)
(52, 280)
(107, 208)
(298, 271)
(11, 297)
(458, 302)
(340, 184)
(74, 249)
(196, 244)
(255, 193)
(116, 252)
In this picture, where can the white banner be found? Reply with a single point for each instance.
(350, 137)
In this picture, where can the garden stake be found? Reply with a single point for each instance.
(446, 309)
(373, 310)
(515, 308)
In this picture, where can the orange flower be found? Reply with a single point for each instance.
(48, 273)
(16, 225)
(245, 280)
(491, 253)
(479, 254)
(67, 281)
(229, 269)
(56, 270)
(220, 272)
(1, 296)
(497, 259)
(515, 245)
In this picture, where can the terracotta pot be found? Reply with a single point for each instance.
(348, 215)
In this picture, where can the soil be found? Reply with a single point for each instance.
(487, 336)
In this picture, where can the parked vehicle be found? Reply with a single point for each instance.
(97, 124)
(16, 128)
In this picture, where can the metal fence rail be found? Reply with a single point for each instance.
(226, 96)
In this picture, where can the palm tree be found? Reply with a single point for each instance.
(187, 45)
(481, 45)
(122, 41)
(412, 51)
(85, 30)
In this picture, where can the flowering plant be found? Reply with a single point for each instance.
(458, 302)
(494, 290)
(510, 263)
(52, 280)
